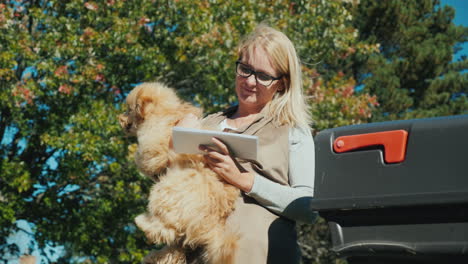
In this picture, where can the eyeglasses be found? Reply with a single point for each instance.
(245, 71)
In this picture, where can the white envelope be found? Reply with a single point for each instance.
(187, 140)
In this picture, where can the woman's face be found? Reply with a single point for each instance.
(251, 94)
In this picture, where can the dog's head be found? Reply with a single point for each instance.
(153, 100)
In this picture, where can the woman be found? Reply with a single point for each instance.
(278, 187)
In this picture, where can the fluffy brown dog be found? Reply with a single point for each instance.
(189, 203)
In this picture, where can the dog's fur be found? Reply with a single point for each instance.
(189, 203)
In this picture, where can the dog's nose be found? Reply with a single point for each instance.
(123, 120)
(128, 127)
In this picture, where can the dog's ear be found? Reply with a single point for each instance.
(142, 104)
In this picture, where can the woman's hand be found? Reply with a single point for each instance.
(225, 166)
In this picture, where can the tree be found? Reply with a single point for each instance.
(414, 75)
(65, 67)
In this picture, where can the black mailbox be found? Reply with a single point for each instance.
(395, 192)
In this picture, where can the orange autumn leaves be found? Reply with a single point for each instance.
(336, 101)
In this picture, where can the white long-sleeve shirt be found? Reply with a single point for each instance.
(290, 201)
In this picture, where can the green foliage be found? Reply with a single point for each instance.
(337, 104)
(64, 111)
(414, 75)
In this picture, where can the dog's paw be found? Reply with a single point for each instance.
(155, 230)
(166, 255)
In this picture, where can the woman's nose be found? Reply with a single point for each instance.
(251, 80)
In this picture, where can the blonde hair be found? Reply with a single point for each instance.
(288, 106)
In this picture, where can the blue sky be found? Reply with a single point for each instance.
(461, 16)
(461, 7)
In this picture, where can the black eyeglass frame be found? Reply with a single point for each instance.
(255, 73)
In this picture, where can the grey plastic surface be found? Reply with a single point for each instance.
(438, 238)
(435, 170)
(415, 211)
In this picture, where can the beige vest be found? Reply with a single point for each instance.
(266, 237)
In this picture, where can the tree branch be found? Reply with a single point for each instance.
(4, 117)
(14, 145)
(30, 18)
